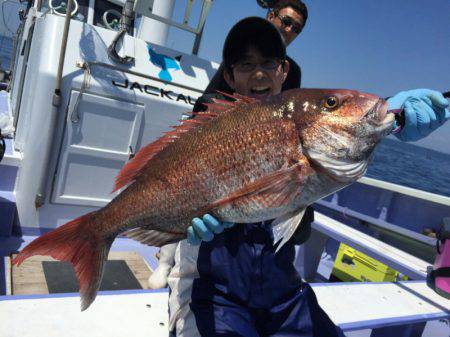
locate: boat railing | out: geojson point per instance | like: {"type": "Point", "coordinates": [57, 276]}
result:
{"type": "Point", "coordinates": [420, 194]}
{"type": "Point", "coordinates": [400, 215]}
{"type": "Point", "coordinates": [310, 253]}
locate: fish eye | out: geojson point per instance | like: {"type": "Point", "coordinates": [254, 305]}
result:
{"type": "Point", "coordinates": [331, 102]}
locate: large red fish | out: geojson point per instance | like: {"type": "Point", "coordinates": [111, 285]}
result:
{"type": "Point", "coordinates": [243, 161]}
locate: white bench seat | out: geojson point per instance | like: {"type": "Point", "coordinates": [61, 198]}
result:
{"type": "Point", "coordinates": [357, 306]}
{"type": "Point", "coordinates": [352, 306]}
{"type": "Point", "coordinates": [138, 314]}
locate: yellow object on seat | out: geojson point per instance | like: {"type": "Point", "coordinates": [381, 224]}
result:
{"type": "Point", "coordinates": [353, 266]}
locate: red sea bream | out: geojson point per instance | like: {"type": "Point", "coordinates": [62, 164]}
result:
{"type": "Point", "coordinates": [241, 161]}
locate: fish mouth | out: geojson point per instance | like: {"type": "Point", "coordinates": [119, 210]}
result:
{"type": "Point", "coordinates": [378, 115]}
{"type": "Point", "coordinates": [379, 119]}
{"type": "Point", "coordinates": [385, 122]}
{"type": "Point", "coordinates": [378, 111]}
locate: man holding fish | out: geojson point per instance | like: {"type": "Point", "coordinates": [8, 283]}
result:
{"type": "Point", "coordinates": [241, 260]}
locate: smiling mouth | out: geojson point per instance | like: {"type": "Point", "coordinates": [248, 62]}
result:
{"type": "Point", "coordinates": [260, 90]}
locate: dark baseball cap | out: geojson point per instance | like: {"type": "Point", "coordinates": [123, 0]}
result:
{"type": "Point", "coordinates": [254, 31]}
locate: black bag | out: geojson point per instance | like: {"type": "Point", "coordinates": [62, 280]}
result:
{"type": "Point", "coordinates": [2, 146]}
{"type": "Point", "coordinates": [439, 277]}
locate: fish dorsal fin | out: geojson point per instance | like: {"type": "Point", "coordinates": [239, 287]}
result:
{"type": "Point", "coordinates": [221, 105]}
{"type": "Point", "coordinates": [133, 168]}
{"type": "Point", "coordinates": [239, 98]}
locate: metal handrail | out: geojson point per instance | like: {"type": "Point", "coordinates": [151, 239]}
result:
{"type": "Point", "coordinates": [145, 7]}
{"type": "Point", "coordinates": [436, 198]}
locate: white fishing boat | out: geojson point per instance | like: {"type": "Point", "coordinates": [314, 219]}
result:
{"type": "Point", "coordinates": [77, 103]}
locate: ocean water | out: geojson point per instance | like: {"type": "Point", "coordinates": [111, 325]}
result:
{"type": "Point", "coordinates": [412, 166]}
{"type": "Point", "coordinates": [6, 45]}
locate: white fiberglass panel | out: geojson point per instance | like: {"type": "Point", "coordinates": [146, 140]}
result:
{"type": "Point", "coordinates": [102, 124]}
{"type": "Point", "coordinates": [88, 178]}
{"type": "Point", "coordinates": [100, 135]}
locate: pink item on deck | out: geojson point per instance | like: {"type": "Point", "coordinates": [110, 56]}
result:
{"type": "Point", "coordinates": [440, 276]}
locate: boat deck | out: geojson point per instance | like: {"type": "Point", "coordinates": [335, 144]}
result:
{"type": "Point", "coordinates": [30, 277]}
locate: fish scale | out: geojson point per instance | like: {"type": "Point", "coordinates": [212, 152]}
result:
{"type": "Point", "coordinates": [242, 161]}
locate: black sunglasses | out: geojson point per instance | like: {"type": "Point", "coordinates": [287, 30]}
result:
{"type": "Point", "coordinates": [287, 21]}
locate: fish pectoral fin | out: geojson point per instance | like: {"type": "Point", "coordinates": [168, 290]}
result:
{"type": "Point", "coordinates": [284, 227]}
{"type": "Point", "coordinates": [274, 190]}
{"type": "Point", "coordinates": [153, 237]}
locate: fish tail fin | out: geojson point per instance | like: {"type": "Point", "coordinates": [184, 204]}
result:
{"type": "Point", "coordinates": [76, 243]}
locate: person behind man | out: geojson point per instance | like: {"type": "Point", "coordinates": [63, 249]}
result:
{"type": "Point", "coordinates": [235, 284]}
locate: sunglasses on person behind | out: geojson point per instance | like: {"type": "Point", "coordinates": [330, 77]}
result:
{"type": "Point", "coordinates": [287, 21]}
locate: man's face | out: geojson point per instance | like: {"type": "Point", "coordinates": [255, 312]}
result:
{"type": "Point", "coordinates": [289, 23]}
{"type": "Point", "coordinates": [257, 76]}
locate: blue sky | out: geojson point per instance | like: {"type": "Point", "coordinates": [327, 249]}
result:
{"type": "Point", "coordinates": [381, 47]}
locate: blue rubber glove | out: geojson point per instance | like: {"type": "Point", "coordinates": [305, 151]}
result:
{"type": "Point", "coordinates": [205, 228]}
{"type": "Point", "coordinates": [425, 110]}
